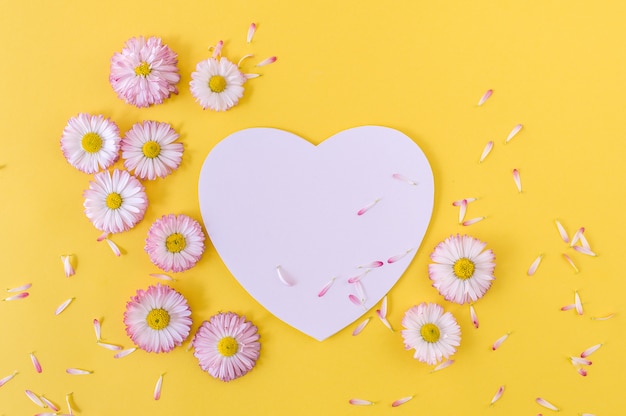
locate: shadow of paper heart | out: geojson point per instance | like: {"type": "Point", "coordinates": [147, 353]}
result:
{"type": "Point", "coordinates": [269, 198]}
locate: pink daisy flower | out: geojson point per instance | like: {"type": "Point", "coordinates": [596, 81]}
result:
{"type": "Point", "coordinates": [227, 346]}
{"type": "Point", "coordinates": [115, 202]}
{"type": "Point", "coordinates": [175, 243]}
{"type": "Point", "coordinates": [149, 151]}
{"type": "Point", "coordinates": [432, 333]}
{"type": "Point", "coordinates": [145, 72]}
{"type": "Point", "coordinates": [90, 143]}
{"type": "Point", "coordinates": [157, 319]}
{"type": "Point", "coordinates": [217, 84]}
{"type": "Point", "coordinates": [462, 271]}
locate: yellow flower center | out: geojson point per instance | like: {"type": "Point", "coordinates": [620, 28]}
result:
{"type": "Point", "coordinates": [151, 149]}
{"type": "Point", "coordinates": [143, 70]}
{"type": "Point", "coordinates": [430, 333]}
{"type": "Point", "coordinates": [114, 200]}
{"type": "Point", "coordinates": [91, 142]}
{"type": "Point", "coordinates": [175, 243]}
{"type": "Point", "coordinates": [158, 319]}
{"type": "Point", "coordinates": [464, 268]}
{"type": "Point", "coordinates": [217, 83]}
{"type": "Point", "coordinates": [227, 346]}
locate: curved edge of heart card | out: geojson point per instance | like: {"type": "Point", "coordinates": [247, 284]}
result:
{"type": "Point", "coordinates": [317, 234]}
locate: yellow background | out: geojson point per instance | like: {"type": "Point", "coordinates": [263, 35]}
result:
{"type": "Point", "coordinates": [559, 68]}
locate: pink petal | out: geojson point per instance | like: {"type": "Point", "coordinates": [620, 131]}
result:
{"type": "Point", "coordinates": [404, 179]}
{"type": "Point", "coordinates": [367, 207]}
{"type": "Point", "coordinates": [401, 401]}
{"type": "Point", "coordinates": [360, 291]}
{"type": "Point", "coordinates": [570, 261]}
{"type": "Point", "coordinates": [111, 347]}
{"type": "Point", "coordinates": [485, 97]}
{"type": "Point", "coordinates": [578, 303]}
{"type": "Point", "coordinates": [251, 31]}
{"type": "Point", "coordinates": [267, 61]}
{"type": "Point", "coordinates": [533, 267]}
{"type": "Point", "coordinates": [355, 300]}
{"type": "Point", "coordinates": [5, 380]}
{"type": "Point", "coordinates": [546, 404]}
{"type": "Point", "coordinates": [474, 316]}
{"type": "Point", "coordinates": [517, 179]}
{"type": "Point", "coordinates": [472, 221]}
{"type": "Point", "coordinates": [486, 151]}
{"type": "Point", "coordinates": [397, 257]}
{"type": "Point", "coordinates": [124, 353]}
{"type": "Point", "coordinates": [114, 248]}
{"type": "Point", "coordinates": [460, 201]}
{"type": "Point", "coordinates": [443, 365]}
{"type": "Point", "coordinates": [34, 398]}
{"type": "Point", "coordinates": [383, 320]}
{"type": "Point", "coordinates": [360, 402]}
{"type": "Point", "coordinates": [603, 318]}
{"type": "Point", "coordinates": [585, 250]}
{"type": "Point", "coordinates": [35, 362]}
{"type": "Point", "coordinates": [63, 306]}
{"type": "Point", "coordinates": [372, 265]}
{"type": "Point", "coordinates": [359, 277]}
{"type": "Point", "coordinates": [499, 342]}
{"type": "Point", "coordinates": [562, 231]}
{"type": "Point", "coordinates": [383, 307]}
{"type": "Point", "coordinates": [590, 351]}
{"type": "Point", "coordinates": [577, 235]}
{"type": "Point", "coordinates": [580, 361]}
{"type": "Point", "coordinates": [462, 210]}
{"type": "Point", "coordinates": [326, 287]}
{"type": "Point", "coordinates": [20, 288]}
{"type": "Point", "coordinates": [67, 265]}
{"type": "Point", "coordinates": [582, 372]}
{"type": "Point", "coordinates": [568, 307]}
{"type": "Point", "coordinates": [497, 396]}
{"type": "Point", "coordinates": [102, 237]}
{"type": "Point", "coordinates": [97, 329]}
{"type": "Point", "coordinates": [157, 388]}
{"type": "Point", "coordinates": [360, 327]}
{"type": "Point", "coordinates": [78, 372]}
{"type": "Point", "coordinates": [49, 404]}
{"type": "Point", "coordinates": [16, 297]}
{"type": "Point", "coordinates": [251, 76]}
{"type": "Point", "coordinates": [583, 241]}
{"type": "Point", "coordinates": [217, 50]}
{"type": "Point", "coordinates": [513, 133]}
{"type": "Point", "coordinates": [282, 277]}
{"type": "Point", "coordinates": [162, 277]}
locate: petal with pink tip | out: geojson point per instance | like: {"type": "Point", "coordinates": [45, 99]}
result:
{"type": "Point", "coordinates": [97, 329]}
{"type": "Point", "coordinates": [486, 151]}
{"type": "Point", "coordinates": [162, 276]}
{"type": "Point", "coordinates": [108, 346]}
{"type": "Point", "coordinates": [367, 207]}
{"type": "Point", "coordinates": [5, 380]}
{"type": "Point", "coordinates": [513, 132]}
{"type": "Point", "coordinates": [267, 61]}
{"type": "Point", "coordinates": [401, 401]}
{"type": "Point", "coordinates": [114, 248]}
{"type": "Point", "coordinates": [397, 257]}
{"type": "Point", "coordinates": [582, 372]}
{"type": "Point", "coordinates": [462, 210]}
{"type": "Point", "coordinates": [383, 307]}
{"type": "Point", "coordinates": [568, 307]}
{"type": "Point", "coordinates": [251, 31]}
{"type": "Point", "coordinates": [359, 277]}
{"type": "Point", "coordinates": [78, 371]}
{"type": "Point", "coordinates": [251, 76]}
{"type": "Point", "coordinates": [49, 404]}
{"type": "Point", "coordinates": [102, 237]}
{"type": "Point", "coordinates": [474, 316]}
{"type": "Point", "coordinates": [590, 350]}
{"type": "Point", "coordinates": [282, 276]}
{"type": "Point", "coordinates": [580, 361]}
{"type": "Point", "coordinates": [403, 178]}
{"type": "Point", "coordinates": [459, 201]}
{"type": "Point", "coordinates": [576, 236]}
{"type": "Point", "coordinates": [326, 287]}
{"type": "Point", "coordinates": [497, 396]}
{"type": "Point", "coordinates": [34, 398]}
{"type": "Point", "coordinates": [603, 318]}
{"type": "Point", "coordinates": [360, 291]}
{"type": "Point", "coordinates": [355, 300]}
{"type": "Point", "coordinates": [533, 267]}
{"type": "Point", "coordinates": [517, 180]}
{"type": "Point", "coordinates": [360, 327]}
{"type": "Point", "coordinates": [67, 265]}
{"type": "Point", "coordinates": [35, 362]}
{"type": "Point", "coordinates": [562, 231]}
{"type": "Point", "coordinates": [63, 306]}
{"type": "Point", "coordinates": [584, 242]}
{"type": "Point", "coordinates": [157, 388]}
{"type": "Point", "coordinates": [126, 352]}
{"type": "Point", "coordinates": [372, 265]}
{"type": "Point", "coordinates": [499, 342]}
{"type": "Point", "coordinates": [384, 320]}
{"type": "Point", "coordinates": [443, 365]}
{"type": "Point", "coordinates": [217, 49]}
{"type": "Point", "coordinates": [571, 262]}
{"type": "Point", "coordinates": [578, 303]}
{"type": "Point", "coordinates": [68, 400]}
{"type": "Point", "coordinates": [472, 221]}
{"type": "Point", "coordinates": [16, 297]}
{"type": "Point", "coordinates": [360, 402]}
{"type": "Point", "coordinates": [585, 250]}
{"type": "Point", "coordinates": [485, 97]}
{"type": "Point", "coordinates": [20, 288]}
{"type": "Point", "coordinates": [546, 404]}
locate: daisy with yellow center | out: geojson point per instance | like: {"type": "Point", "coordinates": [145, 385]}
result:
{"type": "Point", "coordinates": [115, 202]}
{"type": "Point", "coordinates": [432, 333]}
{"type": "Point", "coordinates": [227, 346]}
{"type": "Point", "coordinates": [157, 319]}
{"type": "Point", "coordinates": [175, 243]}
{"type": "Point", "coordinates": [149, 150]}
{"type": "Point", "coordinates": [217, 84]}
{"type": "Point", "coordinates": [90, 143]}
{"type": "Point", "coordinates": [462, 271]}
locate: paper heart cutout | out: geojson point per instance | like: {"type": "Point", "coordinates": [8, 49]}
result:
{"type": "Point", "coordinates": [270, 198]}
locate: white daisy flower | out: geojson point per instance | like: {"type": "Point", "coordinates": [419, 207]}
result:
{"type": "Point", "coordinates": [149, 151]}
{"type": "Point", "coordinates": [115, 202]}
{"type": "Point", "coordinates": [217, 84]}
{"type": "Point", "coordinates": [462, 271]}
{"type": "Point", "coordinates": [175, 242]}
{"type": "Point", "coordinates": [432, 333]}
{"type": "Point", "coordinates": [90, 143]}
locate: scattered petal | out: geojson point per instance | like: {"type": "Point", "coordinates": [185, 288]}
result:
{"type": "Point", "coordinates": [590, 351]}
{"type": "Point", "coordinates": [102, 237]}
{"type": "Point", "coordinates": [360, 402]}
{"type": "Point", "coordinates": [383, 307]}
{"type": "Point", "coordinates": [462, 210]}
{"type": "Point", "coordinates": [403, 178]}
{"type": "Point", "coordinates": [360, 327]}
{"type": "Point", "coordinates": [68, 401]}
{"type": "Point", "coordinates": [486, 151]}
{"type": "Point", "coordinates": [533, 267]}
{"type": "Point", "coordinates": [281, 276]}
{"type": "Point", "coordinates": [472, 221]}
{"type": "Point", "coordinates": [251, 76]}
{"type": "Point", "coordinates": [582, 372]}
{"type": "Point", "coordinates": [576, 236]}
{"type": "Point", "coordinates": [243, 58]}
{"type": "Point", "coordinates": [126, 352]}
{"type": "Point", "coordinates": [35, 362]}
{"type": "Point", "coordinates": [34, 398]}
{"type": "Point", "coordinates": [485, 97]}
{"type": "Point", "coordinates": [111, 347]}
{"type": "Point", "coordinates": [67, 265]}
{"type": "Point", "coordinates": [16, 297]}
{"type": "Point", "coordinates": [217, 49]}
{"type": "Point", "coordinates": [49, 404]}
{"type": "Point", "coordinates": [360, 291]}
{"type": "Point", "coordinates": [267, 61]}
{"type": "Point", "coordinates": [367, 207]}
{"type": "Point", "coordinates": [359, 277]}
{"type": "Point", "coordinates": [355, 300]}
{"type": "Point", "coordinates": [568, 307]}
{"type": "Point", "coordinates": [162, 277]}
{"type": "Point", "coordinates": [157, 388]}
{"type": "Point", "coordinates": [513, 133]}
{"type": "Point", "coordinates": [326, 287]}
{"type": "Point", "coordinates": [114, 248]}
{"type": "Point", "coordinates": [20, 288]}
{"type": "Point", "coordinates": [585, 250]}
{"type": "Point", "coordinates": [517, 179]}
{"type": "Point", "coordinates": [78, 371]}
{"type": "Point", "coordinates": [583, 241]}
{"type": "Point", "coordinates": [401, 401]}
{"type": "Point", "coordinates": [499, 341]}
{"type": "Point", "coordinates": [546, 404]}
{"type": "Point", "coordinates": [397, 257]}
{"type": "Point", "coordinates": [497, 396]}
{"type": "Point", "coordinates": [578, 303]}
{"type": "Point", "coordinates": [603, 318]}
{"type": "Point", "coordinates": [372, 265]}
{"type": "Point", "coordinates": [562, 231]}
{"type": "Point", "coordinates": [580, 361]}
{"type": "Point", "coordinates": [97, 329]}
{"type": "Point", "coordinates": [63, 306]}
{"type": "Point", "coordinates": [587, 414]}
{"type": "Point", "coordinates": [5, 380]}
{"type": "Point", "coordinates": [251, 31]}
{"type": "Point", "coordinates": [571, 262]}
{"type": "Point", "coordinates": [459, 201]}
{"type": "Point", "coordinates": [473, 316]}
{"type": "Point", "coordinates": [443, 365]}
{"type": "Point", "coordinates": [384, 320]}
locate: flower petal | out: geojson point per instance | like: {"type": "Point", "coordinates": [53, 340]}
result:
{"type": "Point", "coordinates": [326, 287]}
{"type": "Point", "coordinates": [517, 180]}
{"type": "Point", "coordinates": [282, 277]}
{"type": "Point", "coordinates": [585, 250]}
{"type": "Point", "coordinates": [571, 262]}
{"type": "Point", "coordinates": [251, 31]}
{"type": "Point", "coordinates": [16, 297]}
{"type": "Point", "coordinates": [462, 210]}
{"type": "Point", "coordinates": [20, 288]}
{"type": "Point", "coordinates": [443, 365]}
{"type": "Point", "coordinates": [114, 248]}
{"type": "Point", "coordinates": [590, 350]}
{"type": "Point", "coordinates": [474, 316]}
{"type": "Point", "coordinates": [568, 307]}
{"type": "Point", "coordinates": [367, 207]}
{"type": "Point", "coordinates": [5, 380]}
{"type": "Point", "coordinates": [49, 404]}
{"type": "Point", "coordinates": [360, 327]}
{"type": "Point", "coordinates": [162, 277]}
{"type": "Point", "coordinates": [397, 257]}
{"type": "Point", "coordinates": [97, 328]}
{"type": "Point", "coordinates": [497, 396]}
{"type": "Point", "coordinates": [533, 267]}
{"type": "Point", "coordinates": [78, 371]}
{"type": "Point", "coordinates": [401, 401]}
{"type": "Point", "coordinates": [372, 265]}
{"type": "Point", "coordinates": [546, 404]}
{"type": "Point", "coordinates": [67, 265]}
{"type": "Point", "coordinates": [34, 398]}
{"type": "Point", "coordinates": [603, 318]}
{"type": "Point", "coordinates": [157, 388]}
{"type": "Point", "coordinates": [384, 320]}
{"type": "Point", "coordinates": [499, 341]}
{"type": "Point", "coordinates": [486, 151]}
{"type": "Point", "coordinates": [63, 306]}
{"type": "Point", "coordinates": [580, 361]}
{"type": "Point", "coordinates": [459, 201]}
{"type": "Point", "coordinates": [359, 277]}
{"type": "Point", "coordinates": [267, 61]}
{"type": "Point", "coordinates": [35, 362]}
{"type": "Point", "coordinates": [360, 402]}
{"type": "Point", "coordinates": [485, 97]}
{"type": "Point", "coordinates": [472, 221]}
{"type": "Point", "coordinates": [108, 346]}
{"type": "Point", "coordinates": [562, 231]}
{"type": "Point", "coordinates": [513, 133]}
{"type": "Point", "coordinates": [403, 178]}
{"type": "Point", "coordinates": [126, 352]}
{"type": "Point", "coordinates": [578, 303]}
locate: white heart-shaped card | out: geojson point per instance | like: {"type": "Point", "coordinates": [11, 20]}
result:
{"type": "Point", "coordinates": [288, 217]}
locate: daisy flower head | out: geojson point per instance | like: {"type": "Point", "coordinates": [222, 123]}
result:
{"type": "Point", "coordinates": [462, 271]}
{"type": "Point", "coordinates": [149, 150]}
{"type": "Point", "coordinates": [227, 346]}
{"type": "Point", "coordinates": [157, 319]}
{"type": "Point", "coordinates": [175, 243]}
{"type": "Point", "coordinates": [432, 333]}
{"type": "Point", "coordinates": [217, 84]}
{"type": "Point", "coordinates": [145, 72]}
{"type": "Point", "coordinates": [90, 143]}
{"type": "Point", "coordinates": [115, 202]}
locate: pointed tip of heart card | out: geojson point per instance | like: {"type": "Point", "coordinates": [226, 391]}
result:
{"type": "Point", "coordinates": [317, 234]}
